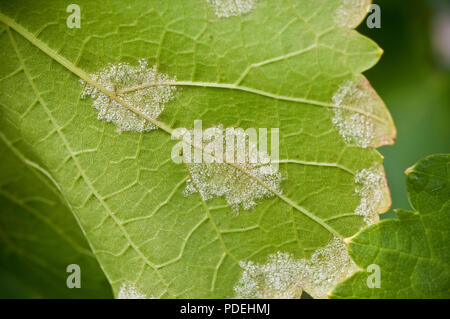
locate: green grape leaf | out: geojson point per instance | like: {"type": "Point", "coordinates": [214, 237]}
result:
{"type": "Point", "coordinates": [39, 236]}
{"type": "Point", "coordinates": [412, 250]}
{"type": "Point", "coordinates": [100, 108]}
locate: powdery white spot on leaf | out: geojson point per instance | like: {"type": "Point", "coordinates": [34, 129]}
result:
{"type": "Point", "coordinates": [278, 278]}
{"type": "Point", "coordinates": [360, 115]}
{"type": "Point", "coordinates": [216, 177]}
{"type": "Point", "coordinates": [374, 193]}
{"type": "Point", "coordinates": [351, 12]}
{"type": "Point", "coordinates": [228, 8]}
{"type": "Point", "coordinates": [130, 291]}
{"type": "Point", "coordinates": [283, 276]}
{"type": "Point", "coordinates": [150, 100]}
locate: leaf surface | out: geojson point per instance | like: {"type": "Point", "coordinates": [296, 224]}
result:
{"type": "Point", "coordinates": [292, 65]}
{"type": "Point", "coordinates": [412, 250]}
{"type": "Point", "coordinates": [39, 235]}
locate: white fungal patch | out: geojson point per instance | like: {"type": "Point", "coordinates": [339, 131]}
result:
{"type": "Point", "coordinates": [277, 279]}
{"type": "Point", "coordinates": [351, 12]}
{"type": "Point", "coordinates": [214, 176]}
{"type": "Point", "coordinates": [360, 115]}
{"type": "Point", "coordinates": [129, 291]}
{"type": "Point", "coordinates": [228, 8]}
{"type": "Point", "coordinates": [355, 127]}
{"type": "Point", "coordinates": [372, 188]}
{"type": "Point", "coordinates": [284, 277]}
{"type": "Point", "coordinates": [149, 100]}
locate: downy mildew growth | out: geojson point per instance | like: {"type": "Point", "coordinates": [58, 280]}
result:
{"type": "Point", "coordinates": [121, 78]}
{"type": "Point", "coordinates": [212, 175]}
{"type": "Point", "coordinates": [372, 188]}
{"type": "Point", "coordinates": [228, 8]}
{"type": "Point", "coordinates": [130, 291]}
{"type": "Point", "coordinates": [360, 115]}
{"type": "Point", "coordinates": [285, 277]}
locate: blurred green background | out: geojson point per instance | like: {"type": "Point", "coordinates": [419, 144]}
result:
{"type": "Point", "coordinates": [413, 78]}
